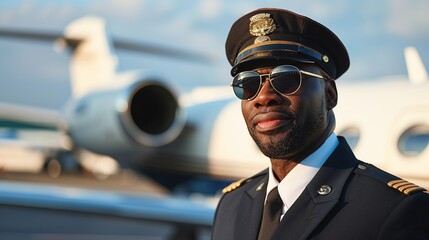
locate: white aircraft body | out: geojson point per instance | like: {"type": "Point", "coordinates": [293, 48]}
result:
{"type": "Point", "coordinates": [142, 118]}
{"type": "Point", "coordinates": [388, 121]}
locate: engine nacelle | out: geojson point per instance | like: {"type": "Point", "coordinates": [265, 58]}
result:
{"type": "Point", "coordinates": [146, 114]}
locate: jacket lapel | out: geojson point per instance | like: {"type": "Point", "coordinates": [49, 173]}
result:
{"type": "Point", "coordinates": [311, 207]}
{"type": "Point", "coordinates": [251, 206]}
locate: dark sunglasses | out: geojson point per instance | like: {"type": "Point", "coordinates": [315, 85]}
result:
{"type": "Point", "coordinates": [285, 79]}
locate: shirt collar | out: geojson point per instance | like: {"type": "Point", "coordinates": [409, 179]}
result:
{"type": "Point", "coordinates": [296, 180]}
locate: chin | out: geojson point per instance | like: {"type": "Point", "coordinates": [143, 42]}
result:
{"type": "Point", "coordinates": [277, 146]}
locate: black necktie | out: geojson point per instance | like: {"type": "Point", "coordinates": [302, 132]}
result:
{"type": "Point", "coordinates": [271, 216]}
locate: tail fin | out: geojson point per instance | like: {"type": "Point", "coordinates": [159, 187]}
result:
{"type": "Point", "coordinates": [93, 63]}
{"type": "Point", "coordinates": [416, 70]}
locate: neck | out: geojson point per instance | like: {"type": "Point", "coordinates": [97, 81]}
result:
{"type": "Point", "coordinates": [282, 167]}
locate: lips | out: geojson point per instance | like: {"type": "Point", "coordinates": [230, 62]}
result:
{"type": "Point", "coordinates": [266, 122]}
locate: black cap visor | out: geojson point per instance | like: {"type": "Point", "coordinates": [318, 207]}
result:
{"type": "Point", "coordinates": [267, 61]}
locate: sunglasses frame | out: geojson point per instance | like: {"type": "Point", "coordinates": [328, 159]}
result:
{"type": "Point", "coordinates": [269, 80]}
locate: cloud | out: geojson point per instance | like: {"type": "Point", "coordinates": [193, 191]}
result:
{"type": "Point", "coordinates": [210, 9]}
{"type": "Point", "coordinates": [29, 14]}
{"type": "Point", "coordinates": [43, 12]}
{"type": "Point", "coordinates": [323, 10]}
{"type": "Point", "coordinates": [408, 19]}
{"type": "Point", "coordinates": [118, 8]}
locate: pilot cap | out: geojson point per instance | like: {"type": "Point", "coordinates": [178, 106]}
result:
{"type": "Point", "coordinates": [269, 37]}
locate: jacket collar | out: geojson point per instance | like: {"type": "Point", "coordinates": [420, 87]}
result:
{"type": "Point", "coordinates": [311, 207]}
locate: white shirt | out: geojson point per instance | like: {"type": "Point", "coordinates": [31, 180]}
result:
{"type": "Point", "coordinates": [296, 180]}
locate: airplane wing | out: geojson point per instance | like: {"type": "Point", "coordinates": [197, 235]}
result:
{"type": "Point", "coordinates": [31, 128]}
{"type": "Point", "coordinates": [24, 117]}
{"type": "Point", "coordinates": [48, 211]}
{"type": "Point", "coordinates": [29, 136]}
{"type": "Point", "coordinates": [146, 48]}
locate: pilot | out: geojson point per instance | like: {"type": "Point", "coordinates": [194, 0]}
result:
{"type": "Point", "coordinates": [284, 70]}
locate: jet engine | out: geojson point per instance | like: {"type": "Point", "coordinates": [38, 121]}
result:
{"type": "Point", "coordinates": [144, 114]}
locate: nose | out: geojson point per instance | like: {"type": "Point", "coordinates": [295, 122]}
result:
{"type": "Point", "coordinates": [267, 95]}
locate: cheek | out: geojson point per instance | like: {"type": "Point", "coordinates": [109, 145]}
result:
{"type": "Point", "coordinates": [308, 102]}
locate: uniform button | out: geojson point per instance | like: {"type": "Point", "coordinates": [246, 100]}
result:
{"type": "Point", "coordinates": [324, 190]}
{"type": "Point", "coordinates": [362, 167]}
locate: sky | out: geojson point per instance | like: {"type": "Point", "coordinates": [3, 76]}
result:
{"type": "Point", "coordinates": [33, 73]}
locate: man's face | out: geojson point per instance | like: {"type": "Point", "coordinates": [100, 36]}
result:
{"type": "Point", "coordinates": [285, 127]}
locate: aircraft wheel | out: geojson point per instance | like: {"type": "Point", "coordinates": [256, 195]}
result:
{"type": "Point", "coordinates": [53, 168]}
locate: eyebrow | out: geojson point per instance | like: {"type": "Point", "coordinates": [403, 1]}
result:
{"type": "Point", "coordinates": [263, 70]}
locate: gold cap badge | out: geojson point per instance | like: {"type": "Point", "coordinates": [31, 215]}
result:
{"type": "Point", "coordinates": [261, 24]}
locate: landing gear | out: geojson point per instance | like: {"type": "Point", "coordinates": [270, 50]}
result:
{"type": "Point", "coordinates": [61, 163]}
{"type": "Point", "coordinates": [53, 168]}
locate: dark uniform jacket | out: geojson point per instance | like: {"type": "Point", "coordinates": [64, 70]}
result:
{"type": "Point", "coordinates": [364, 203]}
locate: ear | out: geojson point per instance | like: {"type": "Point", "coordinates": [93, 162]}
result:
{"type": "Point", "coordinates": [331, 94]}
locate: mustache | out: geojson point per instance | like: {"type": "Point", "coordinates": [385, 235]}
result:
{"type": "Point", "coordinates": [288, 113]}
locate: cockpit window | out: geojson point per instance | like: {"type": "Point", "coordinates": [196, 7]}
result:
{"type": "Point", "coordinates": [414, 140]}
{"type": "Point", "coordinates": [352, 135]}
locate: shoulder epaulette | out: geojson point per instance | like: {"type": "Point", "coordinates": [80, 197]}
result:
{"type": "Point", "coordinates": [392, 181]}
{"type": "Point", "coordinates": [241, 182]}
{"type": "Point", "coordinates": [234, 185]}
{"type": "Point", "coordinates": [374, 172]}
{"type": "Point", "coordinates": [405, 187]}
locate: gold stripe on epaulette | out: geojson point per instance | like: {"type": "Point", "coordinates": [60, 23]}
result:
{"type": "Point", "coordinates": [413, 189]}
{"type": "Point", "coordinates": [233, 185]}
{"type": "Point", "coordinates": [404, 186]}
{"type": "Point", "coordinates": [394, 182]}
{"type": "Point", "coordinates": [401, 184]}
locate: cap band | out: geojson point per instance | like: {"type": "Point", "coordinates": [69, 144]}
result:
{"type": "Point", "coordinates": [274, 48]}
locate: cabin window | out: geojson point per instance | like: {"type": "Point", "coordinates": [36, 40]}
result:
{"type": "Point", "coordinates": [414, 140]}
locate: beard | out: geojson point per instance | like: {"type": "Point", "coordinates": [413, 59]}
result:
{"type": "Point", "coordinates": [279, 148]}
{"type": "Point", "coordinates": [296, 138]}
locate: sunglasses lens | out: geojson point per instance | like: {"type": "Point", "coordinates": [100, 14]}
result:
{"type": "Point", "coordinates": [285, 79]}
{"type": "Point", "coordinates": [246, 85]}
